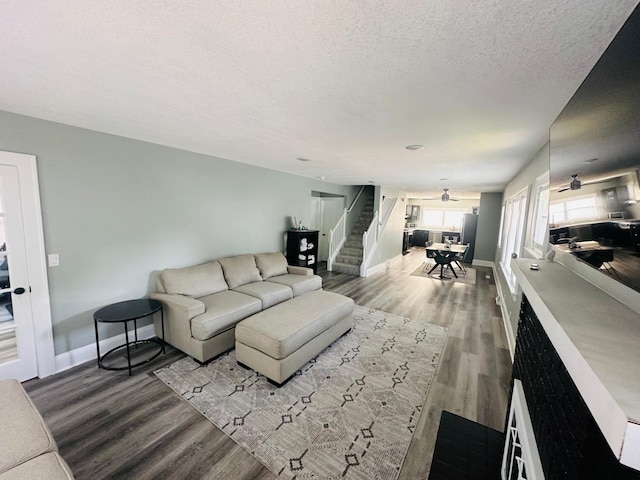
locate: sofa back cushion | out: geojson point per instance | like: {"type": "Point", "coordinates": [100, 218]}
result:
{"type": "Point", "coordinates": [196, 281]}
{"type": "Point", "coordinates": [271, 264]}
{"type": "Point", "coordinates": [240, 270]}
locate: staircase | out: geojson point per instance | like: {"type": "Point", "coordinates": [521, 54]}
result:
{"type": "Point", "coordinates": [350, 257]}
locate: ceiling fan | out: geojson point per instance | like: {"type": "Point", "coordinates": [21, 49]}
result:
{"type": "Point", "coordinates": [577, 184]}
{"type": "Point", "coordinates": [445, 197]}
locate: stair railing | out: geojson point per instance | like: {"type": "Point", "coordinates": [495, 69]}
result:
{"type": "Point", "coordinates": [369, 241]}
{"type": "Point", "coordinates": [370, 237]}
{"type": "Point", "coordinates": [355, 200]}
{"type": "Point", "coordinates": [388, 204]}
{"type": "Point", "coordinates": [337, 237]}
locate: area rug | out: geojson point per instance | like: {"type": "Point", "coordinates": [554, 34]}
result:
{"type": "Point", "coordinates": [349, 413]}
{"type": "Point", "coordinates": [469, 278]}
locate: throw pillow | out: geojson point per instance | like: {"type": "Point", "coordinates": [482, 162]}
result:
{"type": "Point", "coordinates": [271, 264]}
{"type": "Point", "coordinates": [240, 270]}
{"type": "Point", "coordinates": [196, 281]}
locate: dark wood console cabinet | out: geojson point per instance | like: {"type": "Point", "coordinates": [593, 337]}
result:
{"type": "Point", "coordinates": [302, 248]}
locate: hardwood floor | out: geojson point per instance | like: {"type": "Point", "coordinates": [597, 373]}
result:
{"type": "Point", "coordinates": [110, 425]}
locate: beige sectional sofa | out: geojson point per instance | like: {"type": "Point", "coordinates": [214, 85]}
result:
{"type": "Point", "coordinates": [202, 304]}
{"type": "Point", "coordinates": [27, 449]}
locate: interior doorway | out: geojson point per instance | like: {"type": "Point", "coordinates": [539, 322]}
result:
{"type": "Point", "coordinates": [26, 340]}
{"type": "Point", "coordinates": [326, 211]}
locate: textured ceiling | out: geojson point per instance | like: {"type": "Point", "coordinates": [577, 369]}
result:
{"type": "Point", "coordinates": [345, 84]}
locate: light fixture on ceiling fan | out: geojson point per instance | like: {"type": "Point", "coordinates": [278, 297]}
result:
{"type": "Point", "coordinates": [574, 185]}
{"type": "Point", "coordinates": [445, 197]}
{"type": "Point", "coordinates": [577, 184]}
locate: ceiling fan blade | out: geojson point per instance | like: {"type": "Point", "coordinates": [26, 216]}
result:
{"type": "Point", "coordinates": [564, 189]}
{"type": "Point", "coordinates": [453, 199]}
{"type": "Point", "coordinates": [595, 183]}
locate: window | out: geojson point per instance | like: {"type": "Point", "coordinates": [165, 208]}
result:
{"type": "Point", "coordinates": [576, 208]}
{"type": "Point", "coordinates": [445, 218]}
{"type": "Point", "coordinates": [539, 235]}
{"type": "Point", "coordinates": [513, 233]}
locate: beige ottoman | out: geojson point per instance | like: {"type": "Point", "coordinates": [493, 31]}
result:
{"type": "Point", "coordinates": [278, 341]}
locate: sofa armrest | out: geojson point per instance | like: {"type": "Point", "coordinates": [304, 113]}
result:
{"type": "Point", "coordinates": [178, 310]}
{"type": "Point", "coordinates": [187, 306]}
{"type": "Point", "coordinates": [300, 270]}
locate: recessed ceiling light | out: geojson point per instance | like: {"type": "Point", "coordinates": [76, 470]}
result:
{"type": "Point", "coordinates": [444, 179]}
{"type": "Point", "coordinates": [322, 178]}
{"type": "Point", "coordinates": [303, 159]}
{"type": "Point", "coordinates": [371, 181]}
{"type": "Point", "coordinates": [414, 147]}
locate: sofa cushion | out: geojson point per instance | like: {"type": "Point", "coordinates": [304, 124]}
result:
{"type": "Point", "coordinates": [223, 311]}
{"type": "Point", "coordinates": [281, 330]}
{"type": "Point", "coordinates": [24, 434]}
{"type": "Point", "coordinates": [271, 264]}
{"type": "Point", "coordinates": [240, 270]}
{"type": "Point", "coordinates": [269, 293]}
{"type": "Point", "coordinates": [298, 283]}
{"type": "Point", "coordinates": [196, 281]}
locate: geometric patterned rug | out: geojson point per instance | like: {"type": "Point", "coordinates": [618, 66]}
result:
{"type": "Point", "coordinates": [349, 413]}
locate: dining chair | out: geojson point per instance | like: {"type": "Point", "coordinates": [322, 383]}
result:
{"type": "Point", "coordinates": [458, 259]}
{"type": "Point", "coordinates": [430, 256]}
{"type": "Point", "coordinates": [443, 259]}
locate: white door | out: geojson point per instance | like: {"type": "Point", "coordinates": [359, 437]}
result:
{"type": "Point", "coordinates": [331, 209]}
{"type": "Point", "coordinates": [17, 346]}
{"type": "Point", "coordinates": [26, 347]}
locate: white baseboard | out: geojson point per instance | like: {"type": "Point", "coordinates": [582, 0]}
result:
{"type": "Point", "coordinates": [483, 263]}
{"type": "Point", "coordinates": [87, 353]}
{"type": "Point", "coordinates": [375, 269]}
{"type": "Point", "coordinates": [382, 266]}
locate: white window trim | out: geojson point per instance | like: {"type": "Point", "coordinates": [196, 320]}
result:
{"type": "Point", "coordinates": [567, 220]}
{"type": "Point", "coordinates": [518, 236]}
{"type": "Point", "coordinates": [540, 217]}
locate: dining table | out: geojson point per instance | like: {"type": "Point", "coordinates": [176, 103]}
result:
{"type": "Point", "coordinates": [589, 251]}
{"type": "Point", "coordinates": [444, 255]}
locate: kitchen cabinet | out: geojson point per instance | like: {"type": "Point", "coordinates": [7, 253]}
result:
{"type": "Point", "coordinates": [420, 238]}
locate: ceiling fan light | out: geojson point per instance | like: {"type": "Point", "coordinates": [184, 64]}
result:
{"type": "Point", "coordinates": [575, 184]}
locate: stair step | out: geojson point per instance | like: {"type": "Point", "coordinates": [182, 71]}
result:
{"type": "Point", "coordinates": [362, 226]}
{"type": "Point", "coordinates": [354, 244]}
{"type": "Point", "coordinates": [344, 268]}
{"type": "Point", "coordinates": [349, 260]}
{"type": "Point", "coordinates": [351, 252]}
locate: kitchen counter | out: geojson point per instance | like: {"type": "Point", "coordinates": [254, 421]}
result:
{"type": "Point", "coordinates": [598, 340]}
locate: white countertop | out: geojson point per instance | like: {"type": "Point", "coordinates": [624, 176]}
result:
{"type": "Point", "coordinates": [598, 339]}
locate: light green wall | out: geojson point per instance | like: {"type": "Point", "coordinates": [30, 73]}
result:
{"type": "Point", "coordinates": [117, 210]}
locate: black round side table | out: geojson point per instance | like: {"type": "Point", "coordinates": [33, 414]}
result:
{"type": "Point", "coordinates": [124, 312]}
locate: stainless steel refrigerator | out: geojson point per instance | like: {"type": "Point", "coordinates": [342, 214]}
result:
{"type": "Point", "coordinates": [468, 235]}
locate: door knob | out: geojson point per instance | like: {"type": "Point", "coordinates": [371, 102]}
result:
{"type": "Point", "coordinates": [19, 291]}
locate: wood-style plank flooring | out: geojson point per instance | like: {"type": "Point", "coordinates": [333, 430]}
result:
{"type": "Point", "coordinates": [110, 425]}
